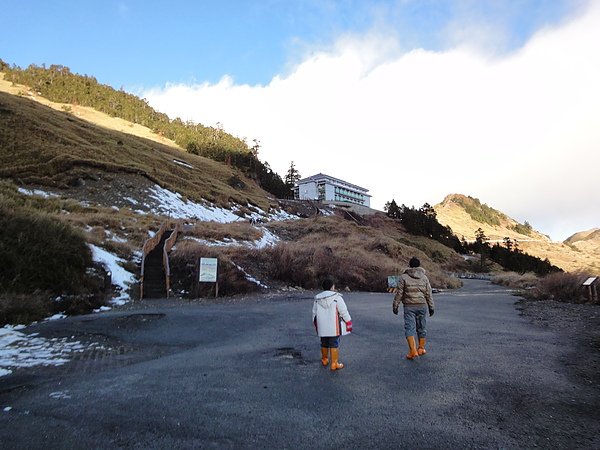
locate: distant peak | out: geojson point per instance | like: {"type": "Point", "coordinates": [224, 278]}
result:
{"type": "Point", "coordinates": [588, 235]}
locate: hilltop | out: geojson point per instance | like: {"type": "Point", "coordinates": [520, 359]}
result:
{"type": "Point", "coordinates": [465, 214]}
{"type": "Point", "coordinates": [586, 242]}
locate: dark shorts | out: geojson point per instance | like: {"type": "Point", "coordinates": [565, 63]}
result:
{"type": "Point", "coordinates": [330, 342]}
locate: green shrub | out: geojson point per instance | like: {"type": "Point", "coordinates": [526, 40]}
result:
{"type": "Point", "coordinates": [40, 253]}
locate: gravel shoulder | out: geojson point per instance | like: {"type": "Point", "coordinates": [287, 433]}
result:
{"type": "Point", "coordinates": [579, 323]}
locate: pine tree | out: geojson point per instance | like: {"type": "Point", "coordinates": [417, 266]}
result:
{"type": "Point", "coordinates": [292, 176]}
{"type": "Point", "coordinates": [482, 245]}
{"type": "Point", "coordinates": [392, 209]}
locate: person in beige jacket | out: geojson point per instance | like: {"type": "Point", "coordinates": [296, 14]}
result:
{"type": "Point", "coordinates": [414, 292]}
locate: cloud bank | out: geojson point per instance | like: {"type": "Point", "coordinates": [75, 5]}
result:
{"type": "Point", "coordinates": [520, 131]}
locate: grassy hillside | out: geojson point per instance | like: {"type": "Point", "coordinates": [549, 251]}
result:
{"type": "Point", "coordinates": [40, 146]}
{"type": "Point", "coordinates": [465, 215]}
{"type": "Point", "coordinates": [359, 256]}
{"type": "Point", "coordinates": [584, 236]}
{"type": "Point", "coordinates": [58, 84]}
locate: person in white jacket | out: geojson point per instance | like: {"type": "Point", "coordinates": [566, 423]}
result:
{"type": "Point", "coordinates": [331, 318]}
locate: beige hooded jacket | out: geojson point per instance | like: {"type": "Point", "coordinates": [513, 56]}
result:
{"type": "Point", "coordinates": [413, 289]}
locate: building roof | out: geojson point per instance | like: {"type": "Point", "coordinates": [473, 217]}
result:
{"type": "Point", "coordinates": [322, 176]}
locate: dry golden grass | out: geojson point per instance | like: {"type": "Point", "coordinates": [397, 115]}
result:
{"type": "Point", "coordinates": [515, 280]}
{"type": "Point", "coordinates": [539, 245]}
{"type": "Point", "coordinates": [562, 287]}
{"type": "Point", "coordinates": [86, 113]}
{"type": "Point", "coordinates": [121, 231]}
{"type": "Point", "coordinates": [184, 260]}
{"type": "Point", "coordinates": [238, 231]}
{"type": "Point", "coordinates": [360, 257]}
{"type": "Point", "coordinates": [47, 147]}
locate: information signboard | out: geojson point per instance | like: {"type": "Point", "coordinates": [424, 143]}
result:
{"type": "Point", "coordinates": [208, 270]}
{"type": "Point", "coordinates": [393, 281]}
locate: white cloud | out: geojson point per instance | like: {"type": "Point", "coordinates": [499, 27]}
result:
{"type": "Point", "coordinates": [520, 131]}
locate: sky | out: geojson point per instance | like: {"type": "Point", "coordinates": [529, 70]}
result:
{"type": "Point", "coordinates": [411, 99]}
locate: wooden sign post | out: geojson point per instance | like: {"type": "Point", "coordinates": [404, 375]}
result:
{"type": "Point", "coordinates": [591, 283]}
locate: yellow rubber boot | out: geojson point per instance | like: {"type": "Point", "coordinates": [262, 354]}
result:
{"type": "Point", "coordinates": [412, 348]}
{"type": "Point", "coordinates": [335, 364]}
{"type": "Point", "coordinates": [421, 349]}
{"type": "Point", "coordinates": [324, 356]}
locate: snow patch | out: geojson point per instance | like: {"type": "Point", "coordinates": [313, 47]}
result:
{"type": "Point", "coordinates": [174, 205]}
{"type": "Point", "coordinates": [119, 276]}
{"type": "Point", "coordinates": [37, 192]}
{"type": "Point", "coordinates": [183, 163]}
{"type": "Point", "coordinates": [19, 350]}
{"type": "Point", "coordinates": [268, 239]}
{"type": "Point", "coordinates": [55, 317]}
{"type": "Point", "coordinates": [133, 201]}
{"type": "Point", "coordinates": [250, 277]}
{"type": "Point", "coordinates": [169, 203]}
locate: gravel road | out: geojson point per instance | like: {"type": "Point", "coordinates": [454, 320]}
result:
{"type": "Point", "coordinates": [246, 374]}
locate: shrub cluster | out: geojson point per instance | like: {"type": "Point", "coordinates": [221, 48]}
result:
{"type": "Point", "coordinates": [562, 287]}
{"type": "Point", "coordinates": [480, 212]}
{"type": "Point", "coordinates": [17, 309]}
{"type": "Point", "coordinates": [515, 280]}
{"type": "Point", "coordinates": [184, 270]}
{"type": "Point", "coordinates": [40, 253]}
{"type": "Point", "coordinates": [423, 222]}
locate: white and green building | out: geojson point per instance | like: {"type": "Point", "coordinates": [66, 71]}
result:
{"type": "Point", "coordinates": [326, 188]}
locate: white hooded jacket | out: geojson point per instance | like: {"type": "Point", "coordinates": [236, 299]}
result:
{"type": "Point", "coordinates": [329, 307]}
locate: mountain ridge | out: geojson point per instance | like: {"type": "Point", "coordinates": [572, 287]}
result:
{"type": "Point", "coordinates": [586, 235]}
{"type": "Point", "coordinates": [465, 214]}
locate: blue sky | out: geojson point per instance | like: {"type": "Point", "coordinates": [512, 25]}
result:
{"type": "Point", "coordinates": [411, 99]}
{"type": "Point", "coordinates": [141, 44]}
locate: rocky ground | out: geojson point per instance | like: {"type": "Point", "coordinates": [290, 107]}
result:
{"type": "Point", "coordinates": [579, 323]}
